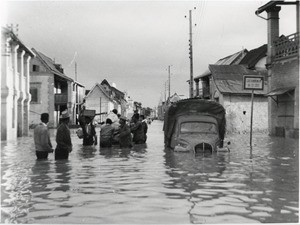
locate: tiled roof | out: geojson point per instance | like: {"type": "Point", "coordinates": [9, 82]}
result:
{"type": "Point", "coordinates": [101, 88]}
{"type": "Point", "coordinates": [229, 78]}
{"type": "Point", "coordinates": [232, 59]}
{"type": "Point", "coordinates": [253, 56]}
{"type": "Point", "coordinates": [228, 60]}
{"type": "Point", "coordinates": [50, 64]}
{"type": "Point", "coordinates": [119, 94]}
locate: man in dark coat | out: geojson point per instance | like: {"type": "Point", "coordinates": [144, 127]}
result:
{"type": "Point", "coordinates": [137, 130]}
{"type": "Point", "coordinates": [89, 134]}
{"type": "Point", "coordinates": [125, 139]}
{"type": "Point", "coordinates": [63, 137]}
{"type": "Point", "coordinates": [106, 134]}
{"type": "Point", "coordinates": [145, 126]}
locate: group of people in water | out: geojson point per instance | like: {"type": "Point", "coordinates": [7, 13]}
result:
{"type": "Point", "coordinates": [117, 130]}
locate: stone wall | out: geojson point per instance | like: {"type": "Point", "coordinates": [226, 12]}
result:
{"type": "Point", "coordinates": [238, 113]}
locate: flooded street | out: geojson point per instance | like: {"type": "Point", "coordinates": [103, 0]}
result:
{"type": "Point", "coordinates": [149, 184]}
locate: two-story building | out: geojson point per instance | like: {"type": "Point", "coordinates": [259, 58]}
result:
{"type": "Point", "coordinates": [283, 71]}
{"type": "Point", "coordinates": [52, 91]}
{"type": "Point", "coordinates": [15, 78]}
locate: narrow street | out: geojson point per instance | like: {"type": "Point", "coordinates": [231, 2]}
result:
{"type": "Point", "coordinates": [150, 184]}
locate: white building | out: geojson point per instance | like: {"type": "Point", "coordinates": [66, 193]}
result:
{"type": "Point", "coordinates": [15, 78]}
{"type": "Point", "coordinates": [99, 100]}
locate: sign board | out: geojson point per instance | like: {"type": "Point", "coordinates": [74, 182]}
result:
{"type": "Point", "coordinates": [253, 82]}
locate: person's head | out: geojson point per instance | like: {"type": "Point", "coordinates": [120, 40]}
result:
{"type": "Point", "coordinates": [115, 111]}
{"type": "Point", "coordinates": [119, 115]}
{"type": "Point", "coordinates": [88, 119]}
{"type": "Point", "coordinates": [45, 118]}
{"type": "Point", "coordinates": [142, 117]}
{"type": "Point", "coordinates": [122, 120]}
{"type": "Point", "coordinates": [108, 121]}
{"type": "Point", "coordinates": [64, 117]}
{"type": "Point", "coordinates": [135, 117]}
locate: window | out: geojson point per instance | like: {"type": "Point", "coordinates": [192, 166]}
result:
{"type": "Point", "coordinates": [198, 127]}
{"type": "Point", "coordinates": [35, 92]}
{"type": "Point", "coordinates": [35, 68]}
{"type": "Point", "coordinates": [34, 95]}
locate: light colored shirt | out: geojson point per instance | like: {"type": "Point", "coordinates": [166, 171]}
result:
{"type": "Point", "coordinates": [42, 138]}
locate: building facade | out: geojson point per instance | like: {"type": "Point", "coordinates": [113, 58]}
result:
{"type": "Point", "coordinates": [223, 82]}
{"type": "Point", "coordinates": [283, 72]}
{"type": "Point", "coordinates": [51, 90]}
{"type": "Point", "coordinates": [98, 99]}
{"type": "Point", "coordinates": [15, 78]}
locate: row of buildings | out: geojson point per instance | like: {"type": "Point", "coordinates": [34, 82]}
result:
{"type": "Point", "coordinates": [33, 83]}
{"type": "Point", "coordinates": [276, 107]}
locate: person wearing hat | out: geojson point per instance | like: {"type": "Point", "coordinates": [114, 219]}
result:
{"type": "Point", "coordinates": [63, 137]}
{"type": "Point", "coordinates": [137, 130]}
{"type": "Point", "coordinates": [89, 134]}
{"type": "Point", "coordinates": [125, 139]}
{"type": "Point", "coordinates": [42, 138]}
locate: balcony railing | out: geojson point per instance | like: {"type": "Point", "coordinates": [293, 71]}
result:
{"type": "Point", "coordinates": [60, 99]}
{"type": "Point", "coordinates": [286, 46]}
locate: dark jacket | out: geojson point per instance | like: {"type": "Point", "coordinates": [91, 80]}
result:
{"type": "Point", "coordinates": [145, 129]}
{"type": "Point", "coordinates": [125, 137]}
{"type": "Point", "coordinates": [138, 133]}
{"type": "Point", "coordinates": [63, 138]}
{"type": "Point", "coordinates": [89, 134]}
{"type": "Point", "coordinates": [106, 135]}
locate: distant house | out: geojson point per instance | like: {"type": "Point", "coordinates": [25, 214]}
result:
{"type": "Point", "coordinates": [173, 98]}
{"type": "Point", "coordinates": [223, 82]}
{"type": "Point", "coordinates": [160, 110]}
{"type": "Point", "coordinates": [117, 95]}
{"type": "Point", "coordinates": [283, 70]}
{"type": "Point", "coordinates": [164, 105]}
{"type": "Point", "coordinates": [99, 99]}
{"type": "Point", "coordinates": [51, 90]}
{"type": "Point", "coordinates": [15, 78]}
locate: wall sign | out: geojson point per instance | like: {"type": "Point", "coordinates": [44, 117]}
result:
{"type": "Point", "coordinates": [253, 82]}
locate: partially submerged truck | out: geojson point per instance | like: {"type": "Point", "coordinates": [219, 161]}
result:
{"type": "Point", "coordinates": [195, 125]}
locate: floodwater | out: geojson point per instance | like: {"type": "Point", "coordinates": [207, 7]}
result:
{"type": "Point", "coordinates": [149, 184]}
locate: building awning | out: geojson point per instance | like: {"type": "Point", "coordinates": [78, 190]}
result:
{"type": "Point", "coordinates": [280, 91]}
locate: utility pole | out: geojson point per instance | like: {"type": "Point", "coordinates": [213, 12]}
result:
{"type": "Point", "coordinates": [165, 91]}
{"type": "Point", "coordinates": [169, 80]}
{"type": "Point", "coordinates": [191, 57]}
{"type": "Point", "coordinates": [75, 71]}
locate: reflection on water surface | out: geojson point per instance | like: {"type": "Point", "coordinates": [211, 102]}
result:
{"type": "Point", "coordinates": [150, 184]}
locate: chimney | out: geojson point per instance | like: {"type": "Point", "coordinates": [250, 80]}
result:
{"type": "Point", "coordinates": [273, 29]}
{"type": "Point", "coordinates": [59, 68]}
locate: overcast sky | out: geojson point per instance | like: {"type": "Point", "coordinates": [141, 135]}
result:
{"type": "Point", "coordinates": [132, 43]}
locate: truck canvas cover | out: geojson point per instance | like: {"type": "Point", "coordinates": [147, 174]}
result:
{"type": "Point", "coordinates": [194, 107]}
